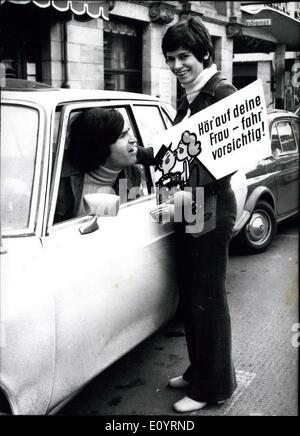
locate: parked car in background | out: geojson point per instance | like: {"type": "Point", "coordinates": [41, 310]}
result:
{"type": "Point", "coordinates": [273, 185]}
{"type": "Point", "coordinates": [75, 297]}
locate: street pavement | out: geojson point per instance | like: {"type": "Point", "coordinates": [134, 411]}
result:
{"type": "Point", "coordinates": [263, 299]}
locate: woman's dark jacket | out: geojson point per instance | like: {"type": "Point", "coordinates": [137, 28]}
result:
{"type": "Point", "coordinates": [213, 91]}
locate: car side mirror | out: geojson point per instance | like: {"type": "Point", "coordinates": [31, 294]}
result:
{"type": "Point", "coordinates": [99, 205]}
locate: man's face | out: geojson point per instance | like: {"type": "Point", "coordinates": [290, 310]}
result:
{"type": "Point", "coordinates": [123, 151]}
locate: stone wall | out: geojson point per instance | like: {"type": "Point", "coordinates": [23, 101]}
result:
{"type": "Point", "coordinates": [85, 52]}
{"type": "Point", "coordinates": [264, 73]}
{"type": "Point", "coordinates": [86, 57]}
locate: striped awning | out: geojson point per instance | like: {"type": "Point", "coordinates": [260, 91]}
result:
{"type": "Point", "coordinates": [93, 8]}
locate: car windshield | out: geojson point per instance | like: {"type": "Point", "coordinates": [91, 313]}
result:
{"type": "Point", "coordinates": [19, 133]}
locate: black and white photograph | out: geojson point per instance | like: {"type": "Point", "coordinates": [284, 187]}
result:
{"type": "Point", "coordinates": [149, 233]}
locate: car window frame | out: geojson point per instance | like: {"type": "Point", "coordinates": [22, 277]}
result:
{"type": "Point", "coordinates": [273, 125]}
{"type": "Point", "coordinates": [296, 120]}
{"type": "Point", "coordinates": [282, 151]}
{"type": "Point", "coordinates": [162, 107]}
{"type": "Point", "coordinates": [67, 108]}
{"type": "Point", "coordinates": [39, 176]}
{"type": "Point", "coordinates": [169, 109]}
{"type": "Point", "coordinates": [166, 115]}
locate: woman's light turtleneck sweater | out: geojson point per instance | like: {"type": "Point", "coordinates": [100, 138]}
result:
{"type": "Point", "coordinates": [100, 180]}
{"type": "Point", "coordinates": [193, 88]}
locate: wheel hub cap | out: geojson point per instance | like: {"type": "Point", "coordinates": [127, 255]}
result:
{"type": "Point", "coordinates": [259, 228]}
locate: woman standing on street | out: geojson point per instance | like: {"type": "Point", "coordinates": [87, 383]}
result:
{"type": "Point", "coordinates": [202, 261]}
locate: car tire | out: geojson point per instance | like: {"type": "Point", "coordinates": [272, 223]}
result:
{"type": "Point", "coordinates": [260, 230]}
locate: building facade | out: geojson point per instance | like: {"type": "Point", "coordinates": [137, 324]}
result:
{"type": "Point", "coordinates": [117, 44]}
{"type": "Point", "coordinates": [276, 57]}
{"type": "Point", "coordinates": [122, 52]}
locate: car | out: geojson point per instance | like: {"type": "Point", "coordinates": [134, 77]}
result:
{"type": "Point", "coordinates": [77, 293]}
{"type": "Point", "coordinates": [272, 185]}
{"type": "Point", "coordinates": [297, 111]}
{"type": "Point", "coordinates": [74, 298]}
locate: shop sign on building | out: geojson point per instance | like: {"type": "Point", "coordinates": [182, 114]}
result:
{"type": "Point", "coordinates": [259, 22]}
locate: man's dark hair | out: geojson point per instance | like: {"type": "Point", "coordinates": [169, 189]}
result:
{"type": "Point", "coordinates": [92, 133]}
{"type": "Point", "coordinates": [191, 35]}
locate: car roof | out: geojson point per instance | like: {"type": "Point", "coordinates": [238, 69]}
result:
{"type": "Point", "coordinates": [279, 113]}
{"type": "Point", "coordinates": [45, 95]}
{"type": "Point", "coordinates": [55, 96]}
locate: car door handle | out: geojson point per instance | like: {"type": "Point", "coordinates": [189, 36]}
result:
{"type": "Point", "coordinates": [3, 250]}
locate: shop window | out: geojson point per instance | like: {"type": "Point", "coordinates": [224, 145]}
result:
{"type": "Point", "coordinates": [122, 57]}
{"type": "Point", "coordinates": [244, 73]}
{"type": "Point", "coordinates": [31, 71]}
{"type": "Point", "coordinates": [21, 52]}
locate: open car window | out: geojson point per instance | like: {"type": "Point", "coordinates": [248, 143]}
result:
{"type": "Point", "coordinates": [130, 185]}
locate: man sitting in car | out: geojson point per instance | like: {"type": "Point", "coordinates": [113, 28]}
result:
{"type": "Point", "coordinates": [103, 148]}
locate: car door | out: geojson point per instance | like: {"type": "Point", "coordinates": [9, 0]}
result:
{"type": "Point", "coordinates": [115, 286]}
{"type": "Point", "coordinates": [286, 165]}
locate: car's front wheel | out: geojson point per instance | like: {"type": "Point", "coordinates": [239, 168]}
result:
{"type": "Point", "coordinates": [260, 230]}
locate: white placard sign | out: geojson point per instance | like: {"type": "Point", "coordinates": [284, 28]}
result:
{"type": "Point", "coordinates": [224, 137]}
